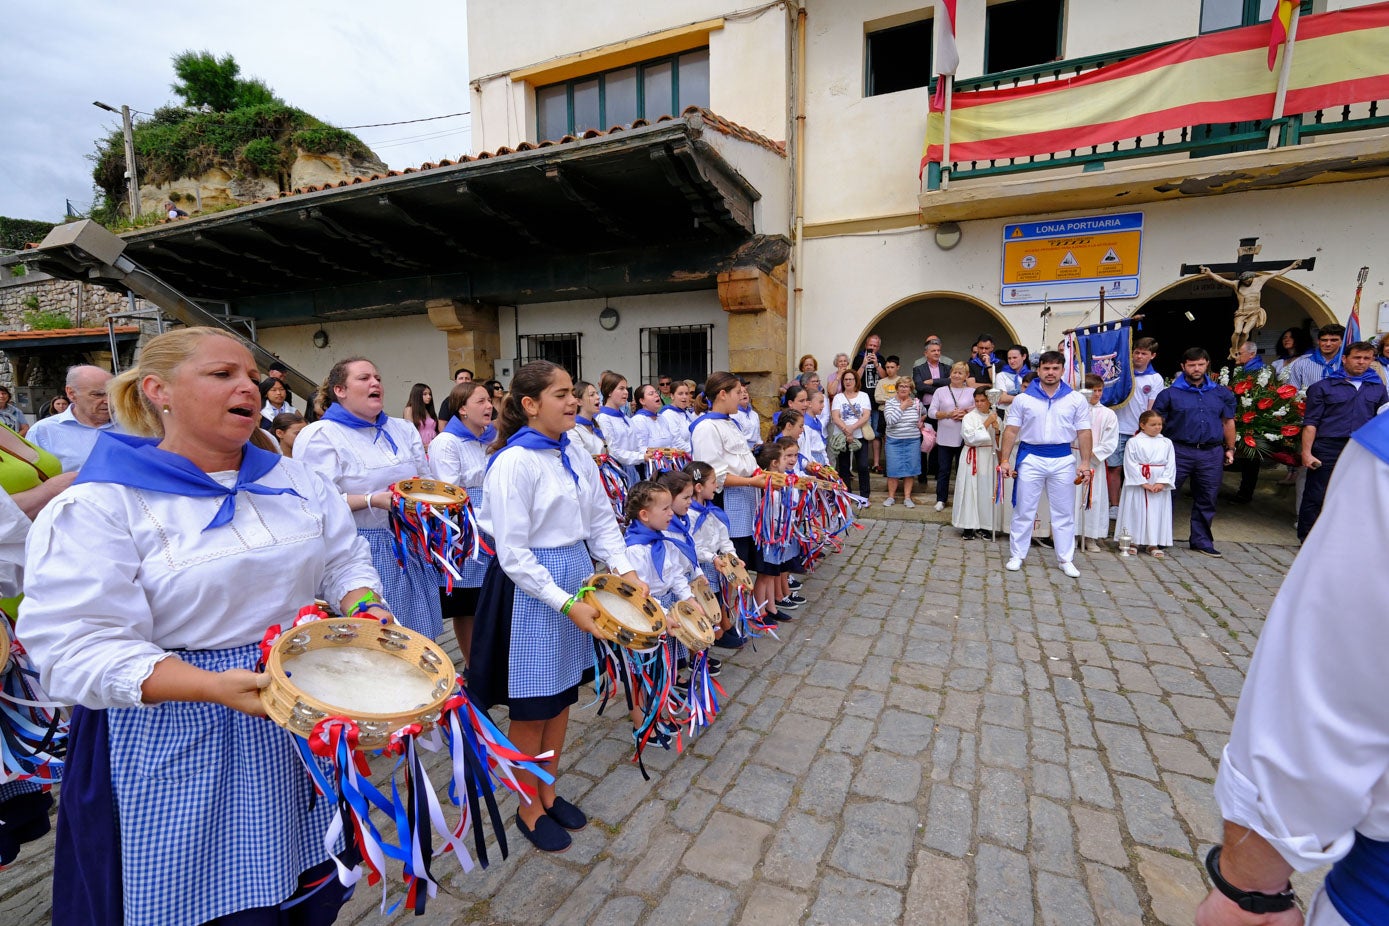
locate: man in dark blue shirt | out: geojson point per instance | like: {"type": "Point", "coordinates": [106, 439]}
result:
{"type": "Point", "coordinates": [1198, 416]}
{"type": "Point", "coordinates": [1336, 408]}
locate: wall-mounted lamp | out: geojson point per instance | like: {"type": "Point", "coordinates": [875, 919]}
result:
{"type": "Point", "coordinates": [608, 318]}
{"type": "Point", "coordinates": [320, 339]}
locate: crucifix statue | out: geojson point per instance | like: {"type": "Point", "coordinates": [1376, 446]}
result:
{"type": "Point", "coordinates": [1248, 279]}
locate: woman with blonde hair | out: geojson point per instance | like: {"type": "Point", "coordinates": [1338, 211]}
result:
{"type": "Point", "coordinates": [181, 804]}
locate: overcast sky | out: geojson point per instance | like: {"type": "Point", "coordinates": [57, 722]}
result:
{"type": "Point", "coordinates": [347, 62]}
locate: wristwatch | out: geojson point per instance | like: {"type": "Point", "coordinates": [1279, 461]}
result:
{"type": "Point", "coordinates": [1248, 901]}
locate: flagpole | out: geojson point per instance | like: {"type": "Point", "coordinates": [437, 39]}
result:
{"type": "Point", "coordinates": [1280, 98]}
{"type": "Point", "coordinates": [945, 144]}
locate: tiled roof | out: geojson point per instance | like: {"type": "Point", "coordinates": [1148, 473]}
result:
{"type": "Point", "coordinates": [58, 333]}
{"type": "Point", "coordinates": [711, 120]}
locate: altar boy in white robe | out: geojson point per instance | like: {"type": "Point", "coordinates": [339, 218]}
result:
{"type": "Point", "coordinates": [1092, 498]}
{"type": "Point", "coordinates": [975, 510]}
{"type": "Point", "coordinates": [1145, 501]}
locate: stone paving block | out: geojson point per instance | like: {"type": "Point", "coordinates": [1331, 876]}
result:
{"type": "Point", "coordinates": [1201, 713]}
{"type": "Point", "coordinates": [654, 868]}
{"type": "Point", "coordinates": [852, 902]}
{"type": "Point", "coordinates": [617, 795]}
{"type": "Point", "coordinates": [943, 751]}
{"type": "Point", "coordinates": [1176, 885]}
{"type": "Point", "coordinates": [876, 842]}
{"type": "Point", "coordinates": [764, 715]}
{"type": "Point", "coordinates": [913, 698]}
{"type": "Point", "coordinates": [1097, 835]}
{"type": "Point", "coordinates": [1180, 755]}
{"type": "Point", "coordinates": [1112, 896]}
{"type": "Point", "coordinates": [1000, 746]}
{"type": "Point", "coordinates": [1003, 808]}
{"type": "Point", "coordinates": [728, 849]}
{"type": "Point", "coordinates": [688, 901]}
{"type": "Point", "coordinates": [1078, 726]}
{"type": "Point", "coordinates": [800, 842]}
{"type": "Point", "coordinates": [819, 702]}
{"type": "Point", "coordinates": [760, 792]}
{"type": "Point", "coordinates": [964, 678]}
{"type": "Point", "coordinates": [1053, 837]}
{"type": "Point", "coordinates": [939, 892]}
{"type": "Point", "coordinates": [1089, 779]}
{"type": "Point", "coordinates": [949, 820]}
{"type": "Point", "coordinates": [963, 773]}
{"type": "Point", "coordinates": [597, 885]}
{"type": "Point", "coordinates": [1149, 815]}
{"type": "Point", "coordinates": [1154, 715]}
{"type": "Point", "coordinates": [680, 778]}
{"type": "Point", "coordinates": [1180, 680]}
{"type": "Point", "coordinates": [1003, 887]}
{"type": "Point", "coordinates": [861, 702]}
{"type": "Point", "coordinates": [850, 735]}
{"type": "Point", "coordinates": [903, 733]}
{"type": "Point", "coordinates": [1005, 710]}
{"type": "Point", "coordinates": [1195, 803]}
{"type": "Point", "coordinates": [825, 787]}
{"type": "Point", "coordinates": [1045, 714]}
{"type": "Point", "coordinates": [791, 746]}
{"type": "Point", "coordinates": [1225, 681]}
{"type": "Point", "coordinates": [961, 709]}
{"type": "Point", "coordinates": [1096, 677]}
{"type": "Point", "coordinates": [876, 674]}
{"type": "Point", "coordinates": [1048, 746]}
{"type": "Point", "coordinates": [889, 777]}
{"type": "Point", "coordinates": [1110, 706]}
{"type": "Point", "coordinates": [774, 906]}
{"type": "Point", "coordinates": [536, 889]}
{"type": "Point", "coordinates": [1063, 901]}
{"type": "Point", "coordinates": [725, 765]}
{"type": "Point", "coordinates": [1126, 750]}
{"type": "Point", "coordinates": [1052, 781]}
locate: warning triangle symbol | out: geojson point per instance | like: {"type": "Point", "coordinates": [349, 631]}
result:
{"type": "Point", "coordinates": [1110, 257]}
{"type": "Point", "coordinates": [1017, 233]}
{"type": "Point", "coordinates": [1069, 260]}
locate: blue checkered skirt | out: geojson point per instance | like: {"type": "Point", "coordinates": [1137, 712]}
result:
{"type": "Point", "coordinates": [548, 653]}
{"type": "Point", "coordinates": [740, 504]}
{"type": "Point", "coordinates": [677, 649]}
{"type": "Point", "coordinates": [711, 574]}
{"type": "Point", "coordinates": [411, 593]}
{"type": "Point", "coordinates": [13, 789]}
{"type": "Point", "coordinates": [216, 812]}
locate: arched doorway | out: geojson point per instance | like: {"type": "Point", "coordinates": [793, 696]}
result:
{"type": "Point", "coordinates": [955, 318]}
{"type": "Point", "coordinates": [1197, 312]}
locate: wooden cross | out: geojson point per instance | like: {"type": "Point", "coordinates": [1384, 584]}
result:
{"type": "Point", "coordinates": [1248, 249]}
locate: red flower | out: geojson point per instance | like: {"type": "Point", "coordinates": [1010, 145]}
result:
{"type": "Point", "coordinates": [1264, 404]}
{"type": "Point", "coordinates": [1290, 430]}
{"type": "Point", "coordinates": [1247, 417]}
{"type": "Point", "coordinates": [1287, 391]}
{"type": "Point", "coordinates": [1243, 386]}
{"type": "Point", "coordinates": [1301, 408]}
{"type": "Point", "coordinates": [1249, 440]}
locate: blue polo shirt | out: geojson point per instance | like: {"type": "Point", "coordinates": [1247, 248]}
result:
{"type": "Point", "coordinates": [1336, 408]}
{"type": "Point", "coordinates": [1195, 416]}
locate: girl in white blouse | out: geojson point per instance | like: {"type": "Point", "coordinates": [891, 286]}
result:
{"type": "Point", "coordinates": [673, 421]}
{"type": "Point", "coordinates": [617, 428]}
{"type": "Point", "coordinates": [531, 642]}
{"type": "Point", "coordinates": [588, 431]}
{"type": "Point", "coordinates": [459, 455]}
{"type": "Point", "coordinates": [181, 803]}
{"type": "Point", "coordinates": [363, 452]}
{"type": "Point", "coordinates": [715, 439]}
{"type": "Point", "coordinates": [646, 430]}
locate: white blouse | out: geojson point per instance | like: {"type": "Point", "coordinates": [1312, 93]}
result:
{"type": "Point", "coordinates": [812, 444]}
{"type": "Point", "coordinates": [973, 432]}
{"type": "Point", "coordinates": [1040, 422]}
{"type": "Point", "coordinates": [723, 446]}
{"type": "Point", "coordinates": [673, 577]}
{"type": "Point", "coordinates": [357, 465]}
{"type": "Point", "coordinates": [673, 428]}
{"type": "Point", "coordinates": [622, 439]}
{"type": "Point", "coordinates": [1104, 433]}
{"type": "Point", "coordinates": [646, 432]}
{"type": "Point", "coordinates": [593, 445]}
{"type": "Point", "coordinates": [750, 423]}
{"type": "Point", "coordinates": [532, 503]}
{"type": "Point", "coordinates": [155, 581]}
{"type": "Point", "coordinates": [711, 539]}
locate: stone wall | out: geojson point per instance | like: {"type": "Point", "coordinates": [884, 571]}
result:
{"type": "Point", "coordinates": [223, 186]}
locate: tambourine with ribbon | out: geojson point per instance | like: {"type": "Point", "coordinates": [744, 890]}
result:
{"type": "Point", "coordinates": [436, 519]}
{"type": "Point", "coordinates": [614, 481]}
{"type": "Point", "coordinates": [33, 727]}
{"type": "Point", "coordinates": [665, 459]}
{"type": "Point", "coordinates": [345, 686]}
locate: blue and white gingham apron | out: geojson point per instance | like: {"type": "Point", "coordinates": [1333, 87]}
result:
{"type": "Point", "coordinates": [411, 593]}
{"type": "Point", "coordinates": [740, 504]}
{"type": "Point", "coordinates": [217, 813]}
{"type": "Point", "coordinates": [711, 574]}
{"type": "Point", "coordinates": [548, 652]}
{"type": "Point", "coordinates": [14, 789]}
{"type": "Point", "coordinates": [775, 554]}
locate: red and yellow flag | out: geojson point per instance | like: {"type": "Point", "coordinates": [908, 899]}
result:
{"type": "Point", "coordinates": [1280, 25]}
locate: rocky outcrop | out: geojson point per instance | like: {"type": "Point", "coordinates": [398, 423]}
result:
{"type": "Point", "coordinates": [221, 187]}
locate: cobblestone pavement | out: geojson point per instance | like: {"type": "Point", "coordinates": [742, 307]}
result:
{"type": "Point", "coordinates": [933, 741]}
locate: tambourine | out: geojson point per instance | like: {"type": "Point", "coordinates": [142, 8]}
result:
{"type": "Point", "coordinates": [687, 622]}
{"type": "Point", "coordinates": [733, 569]}
{"type": "Point", "coordinates": [433, 492]}
{"type": "Point", "coordinates": [706, 598]}
{"type": "Point", "coordinates": [665, 459]}
{"type": "Point", "coordinates": [381, 676]}
{"type": "Point", "coordinates": [625, 616]}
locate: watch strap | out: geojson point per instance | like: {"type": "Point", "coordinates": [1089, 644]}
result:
{"type": "Point", "coordinates": [1248, 901]}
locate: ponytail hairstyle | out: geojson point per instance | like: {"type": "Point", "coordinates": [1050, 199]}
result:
{"type": "Point", "coordinates": [699, 471]}
{"type": "Point", "coordinates": [640, 497]}
{"type": "Point", "coordinates": [675, 481]}
{"type": "Point", "coordinates": [529, 382]}
{"type": "Point", "coordinates": [785, 418]}
{"type": "Point", "coordinates": [606, 385]}
{"type": "Point", "coordinates": [460, 394]}
{"type": "Point", "coordinates": [337, 376]}
{"type": "Point", "coordinates": [161, 357]}
{"type": "Point", "coordinates": [722, 381]}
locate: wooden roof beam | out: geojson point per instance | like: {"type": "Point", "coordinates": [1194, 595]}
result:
{"type": "Point", "coordinates": [583, 193]}
{"type": "Point", "coordinates": [490, 209]}
{"type": "Point", "coordinates": [289, 244]}
{"type": "Point", "coordinates": [378, 248]}
{"type": "Point", "coordinates": [415, 220]}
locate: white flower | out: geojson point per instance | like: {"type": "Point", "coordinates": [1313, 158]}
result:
{"type": "Point", "coordinates": [1272, 437]}
{"type": "Point", "coordinates": [1246, 401]}
{"type": "Point", "coordinates": [1281, 412]}
{"type": "Point", "coordinates": [1224, 376]}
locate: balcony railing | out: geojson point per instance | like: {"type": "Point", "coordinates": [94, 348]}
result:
{"type": "Point", "coordinates": [1194, 141]}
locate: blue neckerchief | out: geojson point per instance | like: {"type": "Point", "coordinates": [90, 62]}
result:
{"type": "Point", "coordinates": [639, 535]}
{"type": "Point", "coordinates": [461, 431]}
{"type": "Point", "coordinates": [138, 462]}
{"type": "Point", "coordinates": [683, 539]}
{"type": "Point", "coordinates": [1035, 390]}
{"type": "Point", "coordinates": [612, 411]}
{"type": "Point", "coordinates": [675, 408]}
{"type": "Point", "coordinates": [709, 416]}
{"type": "Point", "coordinates": [645, 413]}
{"type": "Point", "coordinates": [1183, 384]}
{"type": "Point", "coordinates": [1369, 376]}
{"type": "Point", "coordinates": [531, 439]}
{"type": "Point", "coordinates": [1329, 368]}
{"type": "Point", "coordinates": [988, 361]}
{"type": "Point", "coordinates": [744, 409]}
{"type": "Point", "coordinates": [1255, 364]}
{"type": "Point", "coordinates": [802, 461]}
{"type": "Point", "coordinates": [1145, 371]}
{"type": "Point", "coordinates": [339, 415]}
{"type": "Point", "coordinates": [704, 511]}
{"type": "Point", "coordinates": [589, 423]}
{"type": "Point", "coordinates": [814, 424]}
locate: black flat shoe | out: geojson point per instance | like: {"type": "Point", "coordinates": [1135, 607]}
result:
{"type": "Point", "coordinates": [566, 815]}
{"type": "Point", "coordinates": [548, 836]}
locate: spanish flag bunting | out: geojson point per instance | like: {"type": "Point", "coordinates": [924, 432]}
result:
{"type": "Point", "coordinates": [1280, 26]}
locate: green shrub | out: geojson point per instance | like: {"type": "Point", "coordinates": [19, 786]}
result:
{"type": "Point", "coordinates": [45, 319]}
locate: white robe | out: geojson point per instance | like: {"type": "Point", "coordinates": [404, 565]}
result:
{"type": "Point", "coordinates": [1143, 515]}
{"type": "Point", "coordinates": [974, 507]}
{"type": "Point", "coordinates": [1093, 520]}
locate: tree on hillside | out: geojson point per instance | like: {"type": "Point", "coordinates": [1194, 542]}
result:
{"type": "Point", "coordinates": [206, 80]}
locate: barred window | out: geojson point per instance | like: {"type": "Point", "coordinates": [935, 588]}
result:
{"type": "Point", "coordinates": [680, 352]}
{"type": "Point", "coordinates": [562, 349]}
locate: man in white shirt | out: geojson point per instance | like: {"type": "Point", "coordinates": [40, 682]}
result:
{"type": "Point", "coordinates": [71, 434]}
{"type": "Point", "coordinates": [1043, 422]}
{"type": "Point", "coordinates": [1147, 383]}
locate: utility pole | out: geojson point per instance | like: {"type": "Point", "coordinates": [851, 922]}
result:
{"type": "Point", "coordinates": [133, 182]}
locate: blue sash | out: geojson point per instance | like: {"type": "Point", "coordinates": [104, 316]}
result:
{"type": "Point", "coordinates": [339, 415]}
{"type": "Point", "coordinates": [1358, 885]}
{"type": "Point", "coordinates": [645, 413]}
{"type": "Point", "coordinates": [612, 412]}
{"type": "Point", "coordinates": [1025, 450]}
